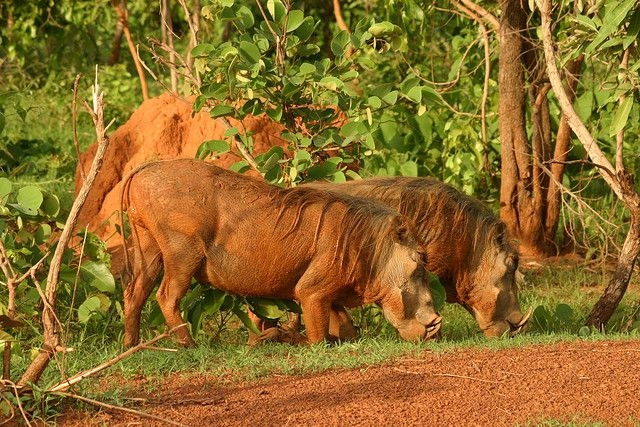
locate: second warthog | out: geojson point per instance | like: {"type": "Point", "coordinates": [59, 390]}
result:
{"type": "Point", "coordinates": [468, 245]}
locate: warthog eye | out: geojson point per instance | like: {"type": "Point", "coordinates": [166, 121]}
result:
{"type": "Point", "coordinates": [511, 261]}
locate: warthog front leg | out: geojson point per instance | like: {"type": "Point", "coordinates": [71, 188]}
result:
{"type": "Point", "coordinates": [315, 309]}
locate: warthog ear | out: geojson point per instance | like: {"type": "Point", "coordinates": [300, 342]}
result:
{"type": "Point", "coordinates": [401, 230]}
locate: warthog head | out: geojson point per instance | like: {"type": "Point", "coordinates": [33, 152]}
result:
{"type": "Point", "coordinates": [490, 293]}
{"type": "Point", "coordinates": [407, 303]}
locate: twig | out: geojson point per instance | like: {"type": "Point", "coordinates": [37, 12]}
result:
{"type": "Point", "coordinates": [242, 149]}
{"type": "Point", "coordinates": [17, 395]}
{"type": "Point", "coordinates": [193, 30]}
{"type": "Point", "coordinates": [74, 124]}
{"type": "Point", "coordinates": [118, 408]}
{"type": "Point", "coordinates": [101, 367]}
{"type": "Point", "coordinates": [467, 378]}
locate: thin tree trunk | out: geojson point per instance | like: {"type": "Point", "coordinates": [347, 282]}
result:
{"type": "Point", "coordinates": [560, 154]}
{"type": "Point", "coordinates": [115, 47]}
{"type": "Point", "coordinates": [609, 300]}
{"type": "Point", "coordinates": [123, 15]}
{"type": "Point", "coordinates": [167, 38]}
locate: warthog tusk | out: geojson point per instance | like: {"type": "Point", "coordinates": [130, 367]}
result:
{"type": "Point", "coordinates": [433, 327]}
{"type": "Point", "coordinates": [515, 329]}
{"type": "Point", "coordinates": [525, 318]}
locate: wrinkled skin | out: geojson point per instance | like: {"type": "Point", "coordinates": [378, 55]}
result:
{"type": "Point", "coordinates": [467, 246]}
{"type": "Point", "coordinates": [190, 219]}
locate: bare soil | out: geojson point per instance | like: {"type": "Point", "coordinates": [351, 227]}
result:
{"type": "Point", "coordinates": [578, 382]}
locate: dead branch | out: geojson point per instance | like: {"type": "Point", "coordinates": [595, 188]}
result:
{"type": "Point", "coordinates": [63, 385]}
{"type": "Point", "coordinates": [166, 23]}
{"type": "Point", "coordinates": [51, 331]}
{"type": "Point", "coordinates": [122, 12]}
{"type": "Point", "coordinates": [118, 408]}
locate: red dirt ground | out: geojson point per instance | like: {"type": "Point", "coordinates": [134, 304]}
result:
{"type": "Point", "coordinates": [581, 382]}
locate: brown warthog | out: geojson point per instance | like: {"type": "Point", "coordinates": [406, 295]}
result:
{"type": "Point", "coordinates": [467, 245]}
{"type": "Point", "coordinates": [244, 236]}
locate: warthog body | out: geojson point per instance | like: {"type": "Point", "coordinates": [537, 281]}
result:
{"type": "Point", "coordinates": [247, 237]}
{"type": "Point", "coordinates": [467, 245]}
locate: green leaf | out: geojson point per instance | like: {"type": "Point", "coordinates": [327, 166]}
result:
{"type": "Point", "coordinates": [584, 331]}
{"type": "Point", "coordinates": [5, 190]}
{"type": "Point", "coordinates": [584, 105]}
{"type": "Point", "coordinates": [384, 28]}
{"type": "Point", "coordinates": [50, 205]}
{"type": "Point", "coordinates": [240, 167]}
{"type": "Point", "coordinates": [221, 110]}
{"type": "Point", "coordinates": [203, 49]}
{"type": "Point", "coordinates": [249, 52]}
{"type": "Point", "coordinates": [294, 20]}
{"type": "Point", "coordinates": [214, 146]}
{"type": "Point", "coordinates": [276, 9]}
{"type": "Point", "coordinates": [30, 198]}
{"type": "Point", "coordinates": [374, 102]}
{"type": "Point", "coordinates": [632, 31]}
{"type": "Point", "coordinates": [245, 18]}
{"type": "Point", "coordinates": [415, 94]}
{"type": "Point", "coordinates": [409, 168]}
{"type": "Point", "coordinates": [621, 116]}
{"type": "Point", "coordinates": [98, 276]}
{"type": "Point", "coordinates": [564, 313]}
{"type": "Point", "coordinates": [266, 308]}
{"type": "Point", "coordinates": [42, 233]}
{"type": "Point", "coordinates": [275, 113]}
{"type": "Point", "coordinates": [391, 97]}
{"type": "Point", "coordinates": [245, 320]}
{"type": "Point", "coordinates": [213, 300]}
{"type": "Point", "coordinates": [339, 43]}
{"type": "Point", "coordinates": [306, 29]}
{"type": "Point", "coordinates": [306, 68]}
{"type": "Point", "coordinates": [90, 306]}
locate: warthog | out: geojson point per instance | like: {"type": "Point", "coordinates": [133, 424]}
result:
{"type": "Point", "coordinates": [467, 244]}
{"type": "Point", "coordinates": [247, 237]}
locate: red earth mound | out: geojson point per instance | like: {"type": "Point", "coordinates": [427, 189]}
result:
{"type": "Point", "coordinates": [160, 128]}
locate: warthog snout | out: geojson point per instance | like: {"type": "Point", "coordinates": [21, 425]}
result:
{"type": "Point", "coordinates": [420, 330]}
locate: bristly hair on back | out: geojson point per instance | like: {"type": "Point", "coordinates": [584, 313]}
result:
{"type": "Point", "coordinates": [438, 210]}
{"type": "Point", "coordinates": [365, 240]}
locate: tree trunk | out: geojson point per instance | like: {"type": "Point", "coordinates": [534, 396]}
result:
{"type": "Point", "coordinates": [517, 203]}
{"type": "Point", "coordinates": [609, 300]}
{"type": "Point", "coordinates": [530, 198]}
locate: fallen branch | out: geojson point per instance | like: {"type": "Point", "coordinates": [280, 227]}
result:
{"type": "Point", "coordinates": [63, 385]}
